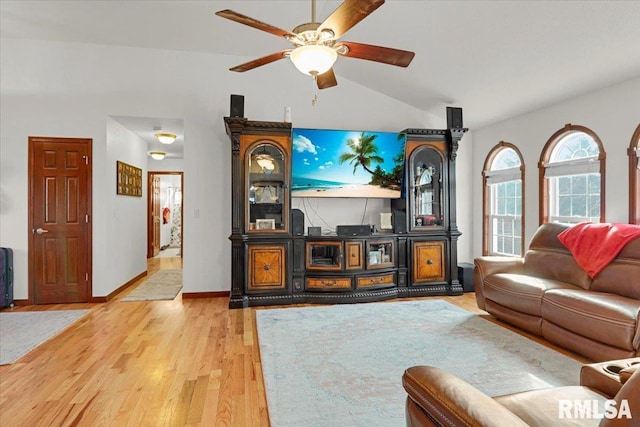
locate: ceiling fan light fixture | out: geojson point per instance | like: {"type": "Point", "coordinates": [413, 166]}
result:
{"type": "Point", "coordinates": [326, 34]}
{"type": "Point", "coordinates": [157, 155]}
{"type": "Point", "coordinates": [342, 49]}
{"type": "Point", "coordinates": [313, 59]}
{"type": "Point", "coordinates": [166, 138]}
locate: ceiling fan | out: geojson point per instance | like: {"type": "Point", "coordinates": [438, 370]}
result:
{"type": "Point", "coordinates": [316, 45]}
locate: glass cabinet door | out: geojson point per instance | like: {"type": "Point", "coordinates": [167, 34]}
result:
{"type": "Point", "coordinates": [426, 195]}
{"type": "Point", "coordinates": [380, 254]}
{"type": "Point", "coordinates": [324, 256]}
{"type": "Point", "coordinates": [266, 189]}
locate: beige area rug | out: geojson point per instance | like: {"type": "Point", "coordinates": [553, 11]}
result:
{"type": "Point", "coordinates": [162, 285]}
{"type": "Point", "coordinates": [23, 331]}
{"type": "Point", "coordinates": [342, 365]}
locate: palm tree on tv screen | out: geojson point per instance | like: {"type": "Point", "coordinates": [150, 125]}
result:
{"type": "Point", "coordinates": [364, 152]}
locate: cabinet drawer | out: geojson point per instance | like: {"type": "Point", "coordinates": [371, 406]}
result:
{"type": "Point", "coordinates": [329, 283]}
{"type": "Point", "coordinates": [384, 280]}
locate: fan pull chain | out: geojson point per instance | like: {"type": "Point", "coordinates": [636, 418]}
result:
{"type": "Point", "coordinates": [314, 100]}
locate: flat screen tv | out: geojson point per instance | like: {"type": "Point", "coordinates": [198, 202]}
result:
{"type": "Point", "coordinates": [347, 163]}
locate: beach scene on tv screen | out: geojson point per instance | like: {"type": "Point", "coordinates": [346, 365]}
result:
{"type": "Point", "coordinates": [346, 163]}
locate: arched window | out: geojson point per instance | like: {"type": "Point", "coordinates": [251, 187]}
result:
{"type": "Point", "coordinates": [503, 183]}
{"type": "Point", "coordinates": [634, 178]}
{"type": "Point", "coordinates": [572, 177]}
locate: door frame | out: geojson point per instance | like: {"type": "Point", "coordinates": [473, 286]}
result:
{"type": "Point", "coordinates": [31, 269]}
{"type": "Point", "coordinates": [150, 175]}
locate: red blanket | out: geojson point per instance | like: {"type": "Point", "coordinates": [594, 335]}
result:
{"type": "Point", "coordinates": [594, 246]}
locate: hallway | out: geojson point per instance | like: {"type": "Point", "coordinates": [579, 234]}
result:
{"type": "Point", "coordinates": [161, 263]}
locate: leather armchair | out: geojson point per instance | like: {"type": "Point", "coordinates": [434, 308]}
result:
{"type": "Point", "coordinates": [438, 398]}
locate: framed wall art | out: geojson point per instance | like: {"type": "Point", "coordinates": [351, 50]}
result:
{"type": "Point", "coordinates": [129, 180]}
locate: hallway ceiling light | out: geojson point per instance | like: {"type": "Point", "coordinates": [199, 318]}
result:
{"type": "Point", "coordinates": [157, 155]}
{"type": "Point", "coordinates": [166, 138]}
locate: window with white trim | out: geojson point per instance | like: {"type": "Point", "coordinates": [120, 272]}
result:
{"type": "Point", "coordinates": [573, 178]}
{"type": "Point", "coordinates": [503, 179]}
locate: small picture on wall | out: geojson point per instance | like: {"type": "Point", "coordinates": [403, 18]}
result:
{"type": "Point", "coordinates": [128, 180]}
{"type": "Point", "coordinates": [265, 224]}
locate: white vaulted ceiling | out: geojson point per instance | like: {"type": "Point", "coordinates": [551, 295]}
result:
{"type": "Point", "coordinates": [497, 59]}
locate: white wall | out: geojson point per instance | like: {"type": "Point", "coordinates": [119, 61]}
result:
{"type": "Point", "coordinates": [126, 237]}
{"type": "Point", "coordinates": [612, 113]}
{"type": "Point", "coordinates": [70, 89]}
{"type": "Point", "coordinates": [467, 210]}
{"type": "Point", "coordinates": [166, 165]}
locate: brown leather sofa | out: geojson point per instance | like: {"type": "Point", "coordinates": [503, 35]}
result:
{"type": "Point", "coordinates": [548, 294]}
{"type": "Point", "coordinates": [438, 398]}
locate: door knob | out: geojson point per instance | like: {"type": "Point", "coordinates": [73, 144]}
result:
{"type": "Point", "coordinates": [41, 231]}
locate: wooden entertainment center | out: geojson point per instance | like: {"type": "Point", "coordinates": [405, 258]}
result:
{"type": "Point", "coordinates": [272, 264]}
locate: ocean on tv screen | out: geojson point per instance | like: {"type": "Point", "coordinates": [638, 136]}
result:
{"type": "Point", "coordinates": [347, 163]}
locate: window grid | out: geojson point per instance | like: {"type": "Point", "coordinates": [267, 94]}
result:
{"type": "Point", "coordinates": [574, 197]}
{"type": "Point", "coordinates": [576, 145]}
{"type": "Point", "coordinates": [505, 222]}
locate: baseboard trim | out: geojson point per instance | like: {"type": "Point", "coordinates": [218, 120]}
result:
{"type": "Point", "coordinates": [194, 295]}
{"type": "Point", "coordinates": [92, 299]}
{"type": "Point", "coordinates": [113, 294]}
{"type": "Point", "coordinates": [21, 302]}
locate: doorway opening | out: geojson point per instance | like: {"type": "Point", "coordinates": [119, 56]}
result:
{"type": "Point", "coordinates": [164, 219]}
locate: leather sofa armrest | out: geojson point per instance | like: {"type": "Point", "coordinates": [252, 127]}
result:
{"type": "Point", "coordinates": [608, 377]}
{"type": "Point", "coordinates": [628, 394]}
{"type": "Point", "coordinates": [488, 265]}
{"type": "Point", "coordinates": [446, 399]}
{"type": "Point", "coordinates": [626, 373]}
{"type": "Point", "coordinates": [595, 377]}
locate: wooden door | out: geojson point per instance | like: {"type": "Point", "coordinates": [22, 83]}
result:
{"type": "Point", "coordinates": [154, 215]}
{"type": "Point", "coordinates": [59, 220]}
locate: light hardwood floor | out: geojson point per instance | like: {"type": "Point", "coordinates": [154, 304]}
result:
{"type": "Point", "coordinates": [187, 362]}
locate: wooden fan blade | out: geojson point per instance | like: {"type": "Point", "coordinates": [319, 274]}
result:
{"type": "Point", "coordinates": [386, 55]}
{"type": "Point", "coordinates": [260, 61]}
{"type": "Point", "coordinates": [326, 80]}
{"type": "Point", "coordinates": [349, 14]}
{"type": "Point", "coordinates": [243, 19]}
